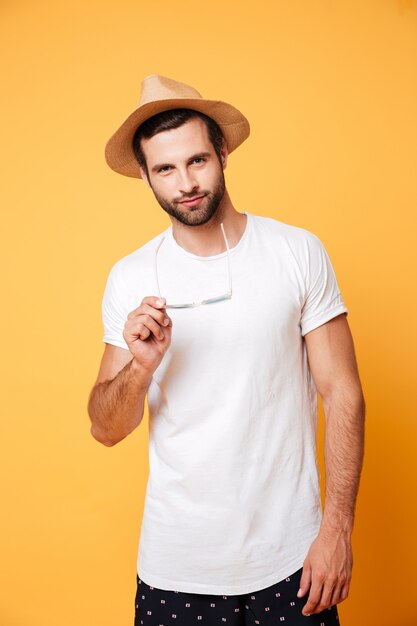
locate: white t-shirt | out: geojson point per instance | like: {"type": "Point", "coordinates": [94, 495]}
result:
{"type": "Point", "coordinates": [233, 496]}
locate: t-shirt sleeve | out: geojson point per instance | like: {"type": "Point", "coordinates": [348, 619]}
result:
{"type": "Point", "coordinates": [322, 299]}
{"type": "Point", "coordinates": [113, 310]}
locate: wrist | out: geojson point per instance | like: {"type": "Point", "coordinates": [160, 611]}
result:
{"type": "Point", "coordinates": [336, 521]}
{"type": "Point", "coordinates": [141, 374]}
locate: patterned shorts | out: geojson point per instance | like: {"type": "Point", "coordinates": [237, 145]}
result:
{"type": "Point", "coordinates": [270, 606]}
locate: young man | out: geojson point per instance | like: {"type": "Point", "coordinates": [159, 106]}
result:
{"type": "Point", "coordinates": [230, 323]}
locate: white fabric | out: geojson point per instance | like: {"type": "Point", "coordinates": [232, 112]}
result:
{"type": "Point", "coordinates": [233, 498]}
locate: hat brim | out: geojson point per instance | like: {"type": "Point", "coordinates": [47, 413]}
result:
{"type": "Point", "coordinates": [119, 153]}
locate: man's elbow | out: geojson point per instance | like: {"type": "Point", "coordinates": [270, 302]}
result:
{"type": "Point", "coordinates": [104, 439]}
{"type": "Point", "coordinates": [350, 397]}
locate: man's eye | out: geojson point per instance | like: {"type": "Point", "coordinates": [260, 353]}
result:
{"type": "Point", "coordinates": [163, 168]}
{"type": "Point", "coordinates": [199, 159]}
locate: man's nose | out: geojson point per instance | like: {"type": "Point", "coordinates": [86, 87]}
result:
{"type": "Point", "coordinates": [188, 182]}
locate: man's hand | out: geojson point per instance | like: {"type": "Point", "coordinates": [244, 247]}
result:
{"type": "Point", "coordinates": [147, 332]}
{"type": "Point", "coordinates": [327, 571]}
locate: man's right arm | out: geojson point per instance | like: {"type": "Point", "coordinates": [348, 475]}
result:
{"type": "Point", "coordinates": [117, 400]}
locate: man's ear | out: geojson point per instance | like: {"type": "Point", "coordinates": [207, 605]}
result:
{"type": "Point", "coordinates": [224, 153]}
{"type": "Point", "coordinates": [143, 174]}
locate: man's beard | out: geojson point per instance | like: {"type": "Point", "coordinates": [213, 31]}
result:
{"type": "Point", "coordinates": [200, 214]}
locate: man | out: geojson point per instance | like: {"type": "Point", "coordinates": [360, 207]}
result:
{"type": "Point", "coordinates": [230, 323]}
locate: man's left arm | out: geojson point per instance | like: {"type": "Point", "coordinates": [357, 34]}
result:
{"type": "Point", "coordinates": [327, 568]}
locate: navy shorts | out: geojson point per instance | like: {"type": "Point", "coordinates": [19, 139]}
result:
{"type": "Point", "coordinates": [268, 607]}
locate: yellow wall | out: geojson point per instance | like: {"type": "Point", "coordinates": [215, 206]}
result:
{"type": "Point", "coordinates": [330, 90]}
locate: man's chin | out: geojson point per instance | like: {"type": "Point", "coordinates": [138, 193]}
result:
{"type": "Point", "coordinates": [196, 217]}
{"type": "Point", "coordinates": [193, 216]}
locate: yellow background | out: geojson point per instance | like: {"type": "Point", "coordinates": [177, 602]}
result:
{"type": "Point", "coordinates": [330, 89]}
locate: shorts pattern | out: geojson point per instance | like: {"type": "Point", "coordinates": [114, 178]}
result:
{"type": "Point", "coordinates": [272, 606]}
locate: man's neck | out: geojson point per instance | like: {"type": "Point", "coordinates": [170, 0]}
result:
{"type": "Point", "coordinates": [207, 239]}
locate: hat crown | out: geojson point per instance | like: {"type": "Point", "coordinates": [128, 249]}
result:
{"type": "Point", "coordinates": [157, 87]}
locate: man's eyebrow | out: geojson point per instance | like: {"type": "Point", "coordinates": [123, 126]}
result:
{"type": "Point", "coordinates": [156, 167]}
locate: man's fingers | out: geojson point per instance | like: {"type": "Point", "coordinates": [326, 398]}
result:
{"type": "Point", "coordinates": [144, 327]}
{"type": "Point", "coordinates": [146, 312]}
{"type": "Point", "coordinates": [344, 591]}
{"type": "Point", "coordinates": [305, 581]}
{"type": "Point", "coordinates": [336, 595]}
{"type": "Point", "coordinates": [152, 301]}
{"type": "Point", "coordinates": [148, 318]}
{"type": "Point", "coordinates": [326, 594]}
{"type": "Point", "coordinates": [313, 597]}
{"type": "Point", "coordinates": [157, 302]}
{"type": "Point", "coordinates": [159, 315]}
{"type": "Point", "coordinates": [141, 332]}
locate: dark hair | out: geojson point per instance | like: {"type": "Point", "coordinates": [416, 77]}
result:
{"type": "Point", "coordinates": [167, 120]}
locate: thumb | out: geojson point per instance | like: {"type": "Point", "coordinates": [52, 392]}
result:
{"type": "Point", "coordinates": [305, 581]}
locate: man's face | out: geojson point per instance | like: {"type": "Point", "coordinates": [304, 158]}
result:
{"type": "Point", "coordinates": [183, 165]}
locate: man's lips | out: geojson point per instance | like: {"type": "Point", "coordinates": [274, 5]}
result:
{"type": "Point", "coordinates": [192, 201]}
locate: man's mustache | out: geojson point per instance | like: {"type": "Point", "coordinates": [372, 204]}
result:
{"type": "Point", "coordinates": [195, 195]}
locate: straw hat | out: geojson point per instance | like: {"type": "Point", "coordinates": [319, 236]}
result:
{"type": "Point", "coordinates": [160, 93]}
